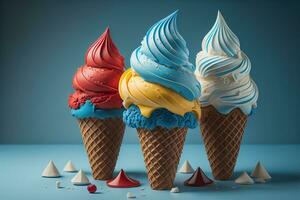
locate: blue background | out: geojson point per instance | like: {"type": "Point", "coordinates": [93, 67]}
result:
{"type": "Point", "coordinates": [43, 42]}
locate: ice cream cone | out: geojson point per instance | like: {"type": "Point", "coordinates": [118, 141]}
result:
{"type": "Point", "coordinates": [222, 136]}
{"type": "Point", "coordinates": [162, 149]}
{"type": "Point", "coordinates": [102, 139]}
{"type": "Point", "coordinates": [160, 94]}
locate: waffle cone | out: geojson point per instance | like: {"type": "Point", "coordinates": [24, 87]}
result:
{"type": "Point", "coordinates": [162, 149]}
{"type": "Point", "coordinates": [222, 136]}
{"type": "Point", "coordinates": [102, 139]}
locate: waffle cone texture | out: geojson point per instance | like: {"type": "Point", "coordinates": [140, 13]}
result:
{"type": "Point", "coordinates": [222, 136]}
{"type": "Point", "coordinates": [162, 149]}
{"type": "Point", "coordinates": [102, 139]}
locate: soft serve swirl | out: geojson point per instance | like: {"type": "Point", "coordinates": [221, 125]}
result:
{"type": "Point", "coordinates": [163, 58]}
{"type": "Point", "coordinates": [97, 80]}
{"type": "Point", "coordinates": [161, 76]}
{"type": "Point", "coordinates": [223, 71]}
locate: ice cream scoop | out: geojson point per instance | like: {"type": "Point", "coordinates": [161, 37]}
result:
{"type": "Point", "coordinates": [163, 58]}
{"type": "Point", "coordinates": [161, 75]}
{"type": "Point", "coordinates": [97, 80]}
{"type": "Point", "coordinates": [223, 70]}
{"type": "Point", "coordinates": [151, 96]}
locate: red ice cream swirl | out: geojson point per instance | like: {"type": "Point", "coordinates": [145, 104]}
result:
{"type": "Point", "coordinates": [98, 79]}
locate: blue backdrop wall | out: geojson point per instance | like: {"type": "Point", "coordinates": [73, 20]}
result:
{"type": "Point", "coordinates": [43, 42]}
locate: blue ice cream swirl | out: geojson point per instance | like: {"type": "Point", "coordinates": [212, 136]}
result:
{"type": "Point", "coordinates": [224, 71]}
{"type": "Point", "coordinates": [163, 58]}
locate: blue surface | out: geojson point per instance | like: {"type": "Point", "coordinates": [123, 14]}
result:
{"type": "Point", "coordinates": [44, 42]}
{"type": "Point", "coordinates": [21, 167]}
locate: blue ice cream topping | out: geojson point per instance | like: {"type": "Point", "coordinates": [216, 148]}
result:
{"type": "Point", "coordinates": [160, 117]}
{"type": "Point", "coordinates": [88, 110]}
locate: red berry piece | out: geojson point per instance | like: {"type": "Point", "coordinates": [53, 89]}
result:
{"type": "Point", "coordinates": [92, 188]}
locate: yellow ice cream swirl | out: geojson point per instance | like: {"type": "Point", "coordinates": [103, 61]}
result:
{"type": "Point", "coordinates": [150, 96]}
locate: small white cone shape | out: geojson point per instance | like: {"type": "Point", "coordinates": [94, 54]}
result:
{"type": "Point", "coordinates": [175, 190]}
{"type": "Point", "coordinates": [186, 168]}
{"type": "Point", "coordinates": [260, 172]}
{"type": "Point", "coordinates": [51, 171]}
{"type": "Point", "coordinates": [244, 179]}
{"type": "Point", "coordinates": [69, 167]}
{"type": "Point", "coordinates": [80, 179]}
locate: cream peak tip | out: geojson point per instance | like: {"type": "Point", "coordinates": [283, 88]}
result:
{"type": "Point", "coordinates": [220, 17]}
{"type": "Point", "coordinates": [174, 14]}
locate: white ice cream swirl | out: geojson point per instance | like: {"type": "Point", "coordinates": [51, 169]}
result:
{"type": "Point", "coordinates": [223, 71]}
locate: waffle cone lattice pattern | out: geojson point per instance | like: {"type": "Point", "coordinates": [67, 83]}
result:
{"type": "Point", "coordinates": [162, 149]}
{"type": "Point", "coordinates": [102, 139]}
{"type": "Point", "coordinates": [222, 136]}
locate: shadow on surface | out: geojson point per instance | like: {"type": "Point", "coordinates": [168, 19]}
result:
{"type": "Point", "coordinates": [220, 186]}
{"type": "Point", "coordinates": [95, 193]}
{"type": "Point", "coordinates": [277, 177]}
{"type": "Point", "coordinates": [225, 186]}
{"type": "Point", "coordinates": [217, 186]}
